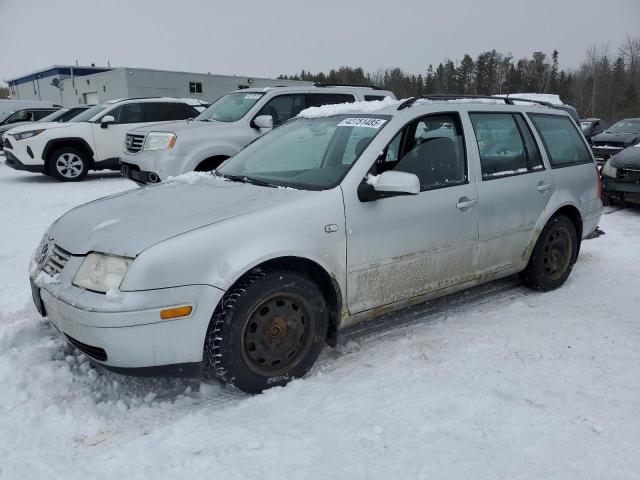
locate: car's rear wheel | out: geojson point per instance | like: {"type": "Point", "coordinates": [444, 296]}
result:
{"type": "Point", "coordinates": [68, 164]}
{"type": "Point", "coordinates": [268, 329]}
{"type": "Point", "coordinates": [553, 256]}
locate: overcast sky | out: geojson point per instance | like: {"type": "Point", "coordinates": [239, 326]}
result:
{"type": "Point", "coordinates": [267, 38]}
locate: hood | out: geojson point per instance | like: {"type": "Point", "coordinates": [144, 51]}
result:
{"type": "Point", "coordinates": [616, 137]}
{"type": "Point", "coordinates": [129, 222]}
{"type": "Point", "coordinates": [181, 126]}
{"type": "Point", "coordinates": [628, 158]}
{"type": "Point", "coordinates": [10, 126]}
{"type": "Point", "coordinates": [35, 125]}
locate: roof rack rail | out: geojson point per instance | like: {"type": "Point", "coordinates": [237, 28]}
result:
{"type": "Point", "coordinates": [320, 84]}
{"type": "Point", "coordinates": [507, 100]}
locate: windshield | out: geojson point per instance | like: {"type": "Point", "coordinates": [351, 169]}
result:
{"type": "Point", "coordinates": [311, 154]}
{"type": "Point", "coordinates": [625, 126]}
{"type": "Point", "coordinates": [90, 113]}
{"type": "Point", "coordinates": [5, 115]}
{"type": "Point", "coordinates": [230, 108]}
{"type": "Point", "coordinates": [55, 116]}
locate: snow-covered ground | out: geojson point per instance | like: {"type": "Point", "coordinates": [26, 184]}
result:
{"type": "Point", "coordinates": [498, 382]}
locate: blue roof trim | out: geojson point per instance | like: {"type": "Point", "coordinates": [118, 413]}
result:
{"type": "Point", "coordinates": [77, 72]}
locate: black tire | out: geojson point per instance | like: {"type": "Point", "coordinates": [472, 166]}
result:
{"type": "Point", "coordinates": [553, 256]}
{"type": "Point", "coordinates": [267, 330]}
{"type": "Point", "coordinates": [68, 164]}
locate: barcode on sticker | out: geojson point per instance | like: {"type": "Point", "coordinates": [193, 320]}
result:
{"type": "Point", "coordinates": [252, 96]}
{"type": "Point", "coordinates": [362, 122]}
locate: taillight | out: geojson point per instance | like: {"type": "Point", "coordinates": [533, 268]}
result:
{"type": "Point", "coordinates": [599, 183]}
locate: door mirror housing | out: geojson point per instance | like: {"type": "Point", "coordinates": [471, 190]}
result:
{"type": "Point", "coordinates": [388, 184]}
{"type": "Point", "coordinates": [263, 121]}
{"type": "Point", "coordinates": [107, 120]}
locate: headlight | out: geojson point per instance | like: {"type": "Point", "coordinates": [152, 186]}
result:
{"type": "Point", "coordinates": [101, 272]}
{"type": "Point", "coordinates": [29, 134]}
{"type": "Point", "coordinates": [609, 171]}
{"type": "Point", "coordinates": [159, 141]}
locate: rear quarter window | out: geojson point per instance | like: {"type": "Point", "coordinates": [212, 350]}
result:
{"type": "Point", "coordinates": [562, 142]}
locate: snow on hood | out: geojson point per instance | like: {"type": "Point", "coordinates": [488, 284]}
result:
{"type": "Point", "coordinates": [628, 158]}
{"type": "Point", "coordinates": [129, 222]}
{"type": "Point", "coordinates": [349, 108]}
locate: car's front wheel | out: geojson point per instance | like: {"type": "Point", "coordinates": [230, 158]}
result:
{"type": "Point", "coordinates": [68, 164]}
{"type": "Point", "coordinates": [268, 329]}
{"type": "Point", "coordinates": [553, 256]}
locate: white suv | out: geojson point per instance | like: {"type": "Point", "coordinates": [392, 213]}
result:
{"type": "Point", "coordinates": [91, 141]}
{"type": "Point", "coordinates": [155, 153]}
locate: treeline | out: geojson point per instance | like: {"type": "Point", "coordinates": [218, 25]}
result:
{"type": "Point", "coordinates": [606, 85]}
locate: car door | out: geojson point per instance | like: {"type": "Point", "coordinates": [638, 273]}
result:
{"type": "Point", "coordinates": [514, 188]}
{"type": "Point", "coordinates": [109, 139]}
{"type": "Point", "coordinates": [406, 246]}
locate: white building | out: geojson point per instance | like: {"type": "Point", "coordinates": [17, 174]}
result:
{"type": "Point", "coordinates": [73, 84]}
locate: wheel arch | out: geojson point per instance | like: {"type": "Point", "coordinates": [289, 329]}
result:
{"type": "Point", "coordinates": [75, 142]}
{"type": "Point", "coordinates": [570, 211]}
{"type": "Point", "coordinates": [210, 163]}
{"type": "Point", "coordinates": [327, 283]}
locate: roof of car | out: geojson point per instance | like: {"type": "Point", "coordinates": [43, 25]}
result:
{"type": "Point", "coordinates": [147, 99]}
{"type": "Point", "coordinates": [319, 87]}
{"type": "Point", "coordinates": [392, 107]}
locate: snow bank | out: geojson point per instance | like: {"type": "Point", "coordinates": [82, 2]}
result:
{"type": "Point", "coordinates": [348, 108]}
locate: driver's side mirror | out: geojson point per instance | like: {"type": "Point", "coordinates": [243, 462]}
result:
{"type": "Point", "coordinates": [388, 184]}
{"type": "Point", "coordinates": [263, 121]}
{"type": "Point", "coordinates": [107, 120]}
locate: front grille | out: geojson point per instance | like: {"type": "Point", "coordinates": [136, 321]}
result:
{"type": "Point", "coordinates": [56, 260]}
{"type": "Point", "coordinates": [134, 143]}
{"type": "Point", "coordinates": [89, 350]}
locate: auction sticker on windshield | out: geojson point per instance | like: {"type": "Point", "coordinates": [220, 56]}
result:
{"type": "Point", "coordinates": [252, 96]}
{"type": "Point", "coordinates": [362, 122]}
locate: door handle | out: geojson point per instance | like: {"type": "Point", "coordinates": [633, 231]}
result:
{"type": "Point", "coordinates": [543, 187]}
{"type": "Point", "coordinates": [464, 203]}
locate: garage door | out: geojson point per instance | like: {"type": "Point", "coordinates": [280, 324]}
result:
{"type": "Point", "coordinates": [91, 98]}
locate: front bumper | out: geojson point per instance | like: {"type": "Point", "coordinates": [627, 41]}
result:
{"type": "Point", "coordinates": [625, 188]}
{"type": "Point", "coordinates": [126, 334]}
{"type": "Point", "coordinates": [152, 166]}
{"type": "Point", "coordinates": [12, 161]}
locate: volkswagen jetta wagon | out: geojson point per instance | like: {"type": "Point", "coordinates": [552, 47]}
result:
{"type": "Point", "coordinates": [339, 215]}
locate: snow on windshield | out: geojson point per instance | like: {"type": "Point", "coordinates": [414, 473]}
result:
{"type": "Point", "coordinates": [346, 108]}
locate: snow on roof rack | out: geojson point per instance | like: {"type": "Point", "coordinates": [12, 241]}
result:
{"type": "Point", "coordinates": [507, 100]}
{"type": "Point", "coordinates": [319, 84]}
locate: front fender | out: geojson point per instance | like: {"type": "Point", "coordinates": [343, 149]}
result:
{"type": "Point", "coordinates": [219, 254]}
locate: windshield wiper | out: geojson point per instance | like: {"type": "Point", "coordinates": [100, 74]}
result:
{"type": "Point", "coordinates": [245, 179]}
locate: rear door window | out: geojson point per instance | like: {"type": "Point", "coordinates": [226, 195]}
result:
{"type": "Point", "coordinates": [371, 98]}
{"type": "Point", "coordinates": [564, 145]}
{"type": "Point", "coordinates": [505, 144]}
{"type": "Point", "coordinates": [165, 111]}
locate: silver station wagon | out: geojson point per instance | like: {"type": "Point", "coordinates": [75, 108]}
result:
{"type": "Point", "coordinates": [341, 214]}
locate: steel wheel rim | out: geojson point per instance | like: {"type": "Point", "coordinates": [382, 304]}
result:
{"type": "Point", "coordinates": [278, 334]}
{"type": "Point", "coordinates": [557, 252]}
{"type": "Point", "coordinates": [69, 165]}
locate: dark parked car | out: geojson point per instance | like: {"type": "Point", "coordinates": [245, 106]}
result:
{"type": "Point", "coordinates": [592, 126]}
{"type": "Point", "coordinates": [621, 177]}
{"type": "Point", "coordinates": [10, 120]}
{"type": "Point", "coordinates": [616, 138]}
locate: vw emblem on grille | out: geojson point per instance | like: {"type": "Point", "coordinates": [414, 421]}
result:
{"type": "Point", "coordinates": [45, 249]}
{"type": "Point", "coordinates": [129, 141]}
